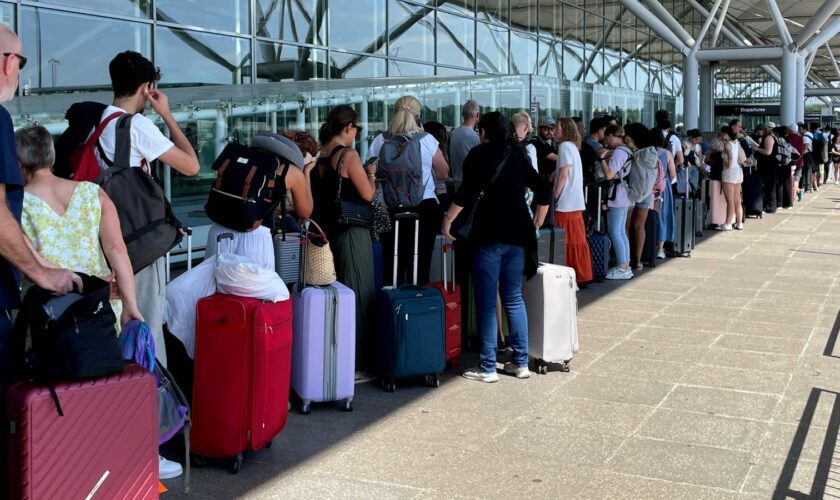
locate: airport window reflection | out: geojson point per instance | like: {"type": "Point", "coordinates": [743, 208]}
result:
{"type": "Point", "coordinates": [353, 28]}
{"type": "Point", "coordinates": [195, 58]}
{"type": "Point", "coordinates": [66, 50]}
{"type": "Point", "coordinates": [523, 15]}
{"type": "Point", "coordinates": [493, 10]}
{"type": "Point", "coordinates": [523, 47]}
{"type": "Point", "coordinates": [403, 68]}
{"type": "Point", "coordinates": [455, 40]}
{"type": "Point", "coordinates": [492, 48]}
{"type": "Point", "coordinates": [463, 7]}
{"type": "Point", "coordinates": [411, 31]}
{"type": "Point", "coordinates": [135, 8]}
{"type": "Point", "coordinates": [277, 62]}
{"type": "Point", "coordinates": [347, 65]}
{"type": "Point", "coordinates": [220, 15]}
{"type": "Point", "coordinates": [7, 15]}
{"type": "Point", "coordinates": [298, 21]}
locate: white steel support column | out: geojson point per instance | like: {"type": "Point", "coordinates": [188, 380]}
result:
{"type": "Point", "coordinates": [789, 81]}
{"type": "Point", "coordinates": [707, 97]}
{"type": "Point", "coordinates": [800, 88]}
{"type": "Point", "coordinates": [691, 101]}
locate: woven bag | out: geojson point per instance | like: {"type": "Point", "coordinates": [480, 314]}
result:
{"type": "Point", "coordinates": [318, 261]}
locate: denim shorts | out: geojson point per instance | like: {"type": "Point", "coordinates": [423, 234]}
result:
{"type": "Point", "coordinates": [797, 174]}
{"type": "Point", "coordinates": [646, 203]}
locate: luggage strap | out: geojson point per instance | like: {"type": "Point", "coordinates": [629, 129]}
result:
{"type": "Point", "coordinates": [56, 402]}
{"type": "Point", "coordinates": [330, 343]}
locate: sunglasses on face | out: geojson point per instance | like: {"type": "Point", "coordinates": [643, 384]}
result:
{"type": "Point", "coordinates": [21, 59]}
{"type": "Point", "coordinates": [357, 127]}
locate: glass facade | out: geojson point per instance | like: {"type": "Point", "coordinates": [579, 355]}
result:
{"type": "Point", "coordinates": [236, 66]}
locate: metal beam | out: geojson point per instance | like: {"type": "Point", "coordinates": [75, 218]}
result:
{"type": "Point", "coordinates": [751, 54]}
{"type": "Point", "coordinates": [668, 20]}
{"type": "Point", "coordinates": [600, 45]}
{"type": "Point", "coordinates": [719, 24]}
{"type": "Point", "coordinates": [810, 61]}
{"type": "Point", "coordinates": [781, 27]}
{"type": "Point", "coordinates": [705, 28]}
{"type": "Point", "coordinates": [833, 60]}
{"type": "Point", "coordinates": [816, 22]}
{"type": "Point", "coordinates": [825, 35]}
{"type": "Point", "coordinates": [822, 92]}
{"type": "Point", "coordinates": [656, 24]}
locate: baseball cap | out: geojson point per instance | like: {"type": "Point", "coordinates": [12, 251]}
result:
{"type": "Point", "coordinates": [546, 121]}
{"type": "Point", "coordinates": [765, 125]}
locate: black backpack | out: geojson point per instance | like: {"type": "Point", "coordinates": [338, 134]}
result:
{"type": "Point", "coordinates": [82, 118]}
{"type": "Point", "coordinates": [149, 226]}
{"type": "Point", "coordinates": [250, 183]}
{"type": "Point", "coordinates": [592, 173]}
{"type": "Point", "coordinates": [73, 336]}
{"type": "Point", "coordinates": [817, 147]}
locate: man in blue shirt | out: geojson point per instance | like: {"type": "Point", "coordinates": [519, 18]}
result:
{"type": "Point", "coordinates": [15, 254]}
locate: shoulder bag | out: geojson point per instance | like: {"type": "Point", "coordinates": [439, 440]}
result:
{"type": "Point", "coordinates": [351, 213]}
{"type": "Point", "coordinates": [462, 226]}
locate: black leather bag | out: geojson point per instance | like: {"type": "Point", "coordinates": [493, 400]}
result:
{"type": "Point", "coordinates": [351, 213]}
{"type": "Point", "coordinates": [462, 226]}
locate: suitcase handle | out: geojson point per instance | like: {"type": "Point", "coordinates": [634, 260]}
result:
{"type": "Point", "coordinates": [445, 248]}
{"type": "Point", "coordinates": [397, 219]}
{"type": "Point", "coordinates": [224, 236]}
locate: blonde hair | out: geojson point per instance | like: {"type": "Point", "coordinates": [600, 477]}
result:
{"type": "Point", "coordinates": [570, 131]}
{"type": "Point", "coordinates": [618, 131]}
{"type": "Point", "coordinates": [522, 118]}
{"type": "Point", "coordinates": [406, 115]}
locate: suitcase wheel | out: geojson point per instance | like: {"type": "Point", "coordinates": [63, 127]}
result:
{"type": "Point", "coordinates": [433, 380]}
{"type": "Point", "coordinates": [390, 385]}
{"type": "Point", "coordinates": [197, 460]}
{"type": "Point", "coordinates": [347, 405]}
{"type": "Point", "coordinates": [268, 445]}
{"type": "Point", "coordinates": [454, 362]}
{"type": "Point", "coordinates": [305, 407]}
{"type": "Point", "coordinates": [237, 464]}
{"type": "Point", "coordinates": [566, 366]}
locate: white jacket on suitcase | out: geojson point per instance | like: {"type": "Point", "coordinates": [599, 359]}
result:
{"type": "Point", "coordinates": [551, 302]}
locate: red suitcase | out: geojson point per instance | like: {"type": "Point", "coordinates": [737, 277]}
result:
{"type": "Point", "coordinates": [243, 353]}
{"type": "Point", "coordinates": [105, 445]}
{"type": "Point", "coordinates": [452, 298]}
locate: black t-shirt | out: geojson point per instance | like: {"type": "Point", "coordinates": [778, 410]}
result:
{"type": "Point", "coordinates": [10, 176]}
{"type": "Point", "coordinates": [544, 165]}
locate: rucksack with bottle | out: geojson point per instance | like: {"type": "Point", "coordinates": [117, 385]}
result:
{"type": "Point", "coordinates": [639, 173]}
{"type": "Point", "coordinates": [400, 170]}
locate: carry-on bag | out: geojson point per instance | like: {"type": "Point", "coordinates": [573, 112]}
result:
{"type": "Point", "coordinates": [324, 341]}
{"type": "Point", "coordinates": [752, 193]}
{"type": "Point", "coordinates": [684, 234]}
{"type": "Point", "coordinates": [551, 303]}
{"type": "Point", "coordinates": [551, 246]}
{"type": "Point", "coordinates": [452, 299]}
{"type": "Point", "coordinates": [599, 246]}
{"type": "Point", "coordinates": [651, 239]}
{"type": "Point", "coordinates": [104, 446]}
{"type": "Point", "coordinates": [470, 317]}
{"type": "Point", "coordinates": [717, 205]}
{"type": "Point", "coordinates": [243, 351]}
{"type": "Point", "coordinates": [412, 331]}
{"type": "Point", "coordinates": [286, 255]}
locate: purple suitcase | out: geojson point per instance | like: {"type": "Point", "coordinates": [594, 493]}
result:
{"type": "Point", "coordinates": [324, 343]}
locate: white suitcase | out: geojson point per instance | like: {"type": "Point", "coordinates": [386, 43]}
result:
{"type": "Point", "coordinates": [551, 303]}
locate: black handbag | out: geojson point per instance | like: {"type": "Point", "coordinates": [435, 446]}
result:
{"type": "Point", "coordinates": [462, 226]}
{"type": "Point", "coordinates": [351, 213]}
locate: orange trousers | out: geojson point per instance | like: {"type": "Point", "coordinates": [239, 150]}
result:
{"type": "Point", "coordinates": [577, 249]}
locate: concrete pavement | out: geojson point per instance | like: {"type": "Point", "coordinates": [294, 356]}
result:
{"type": "Point", "coordinates": [715, 376]}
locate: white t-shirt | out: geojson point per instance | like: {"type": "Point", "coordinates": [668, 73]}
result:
{"type": "Point", "coordinates": [428, 148]}
{"type": "Point", "coordinates": [676, 145]}
{"type": "Point", "coordinates": [808, 142]}
{"type": "Point", "coordinates": [571, 198]}
{"type": "Point", "coordinates": [147, 141]}
{"type": "Point", "coordinates": [532, 154]}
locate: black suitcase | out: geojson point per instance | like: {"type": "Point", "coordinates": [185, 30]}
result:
{"type": "Point", "coordinates": [651, 239]}
{"type": "Point", "coordinates": [752, 193]}
{"type": "Point", "coordinates": [684, 231]}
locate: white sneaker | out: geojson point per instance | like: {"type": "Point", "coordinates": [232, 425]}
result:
{"type": "Point", "coordinates": [477, 374]}
{"type": "Point", "coordinates": [739, 226]}
{"type": "Point", "coordinates": [837, 183]}
{"type": "Point", "coordinates": [660, 254]}
{"type": "Point", "coordinates": [167, 469]}
{"type": "Point", "coordinates": [517, 371]}
{"type": "Point", "coordinates": [620, 274]}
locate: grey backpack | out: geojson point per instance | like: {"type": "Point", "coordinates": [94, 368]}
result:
{"type": "Point", "coordinates": [640, 172]}
{"type": "Point", "coordinates": [400, 170]}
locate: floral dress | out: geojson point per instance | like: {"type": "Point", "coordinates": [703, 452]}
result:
{"type": "Point", "coordinates": [70, 240]}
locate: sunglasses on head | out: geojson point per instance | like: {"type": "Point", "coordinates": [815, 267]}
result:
{"type": "Point", "coordinates": [21, 59]}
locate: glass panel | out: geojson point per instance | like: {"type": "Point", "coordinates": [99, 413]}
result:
{"type": "Point", "coordinates": [572, 60]}
{"type": "Point", "coordinates": [298, 21]}
{"type": "Point", "coordinates": [444, 71]}
{"type": "Point", "coordinates": [224, 15]}
{"type": "Point", "coordinates": [463, 7]}
{"type": "Point", "coordinates": [402, 68]}
{"type": "Point", "coordinates": [189, 57]}
{"type": "Point", "coordinates": [550, 60]}
{"type": "Point", "coordinates": [524, 45]}
{"type": "Point", "coordinates": [594, 36]}
{"type": "Point", "coordinates": [411, 31]}
{"type": "Point", "coordinates": [137, 8]}
{"type": "Point", "coordinates": [455, 40]}
{"type": "Point", "coordinates": [7, 15]}
{"type": "Point", "coordinates": [277, 62]}
{"type": "Point", "coordinates": [354, 27]}
{"type": "Point", "coordinates": [66, 50]}
{"type": "Point", "coordinates": [344, 65]}
{"type": "Point", "coordinates": [492, 50]}
{"type": "Point", "coordinates": [494, 11]}
{"type": "Point", "coordinates": [551, 17]}
{"type": "Point", "coordinates": [523, 15]}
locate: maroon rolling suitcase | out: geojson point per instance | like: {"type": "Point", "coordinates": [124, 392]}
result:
{"type": "Point", "coordinates": [452, 299]}
{"type": "Point", "coordinates": [105, 445]}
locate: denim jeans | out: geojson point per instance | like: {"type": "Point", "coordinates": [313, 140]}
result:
{"type": "Point", "coordinates": [494, 265]}
{"type": "Point", "coordinates": [616, 220]}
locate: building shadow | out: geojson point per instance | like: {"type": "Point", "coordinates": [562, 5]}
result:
{"type": "Point", "coordinates": [832, 339]}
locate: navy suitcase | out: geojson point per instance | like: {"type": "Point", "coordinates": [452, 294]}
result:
{"type": "Point", "coordinates": [599, 246]}
{"type": "Point", "coordinates": [752, 193]}
{"type": "Point", "coordinates": [684, 233]}
{"type": "Point", "coordinates": [412, 326]}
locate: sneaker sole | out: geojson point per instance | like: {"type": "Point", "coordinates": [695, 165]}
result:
{"type": "Point", "coordinates": [485, 380]}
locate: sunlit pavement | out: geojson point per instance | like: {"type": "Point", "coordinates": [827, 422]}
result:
{"type": "Point", "coordinates": [715, 376]}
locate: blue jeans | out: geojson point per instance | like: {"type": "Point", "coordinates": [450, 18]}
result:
{"type": "Point", "coordinates": [616, 221]}
{"type": "Point", "coordinates": [494, 265]}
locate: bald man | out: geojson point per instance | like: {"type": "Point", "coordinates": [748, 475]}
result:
{"type": "Point", "coordinates": [15, 254]}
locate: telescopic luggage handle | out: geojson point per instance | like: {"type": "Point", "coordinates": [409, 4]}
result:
{"type": "Point", "coordinates": [304, 248]}
{"type": "Point", "coordinates": [447, 247]}
{"type": "Point", "coordinates": [224, 236]}
{"type": "Point", "coordinates": [397, 218]}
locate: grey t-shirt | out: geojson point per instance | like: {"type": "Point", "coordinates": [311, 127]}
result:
{"type": "Point", "coordinates": [461, 141]}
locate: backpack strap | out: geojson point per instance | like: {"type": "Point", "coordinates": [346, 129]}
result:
{"type": "Point", "coordinates": [97, 133]}
{"type": "Point", "coordinates": [122, 142]}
